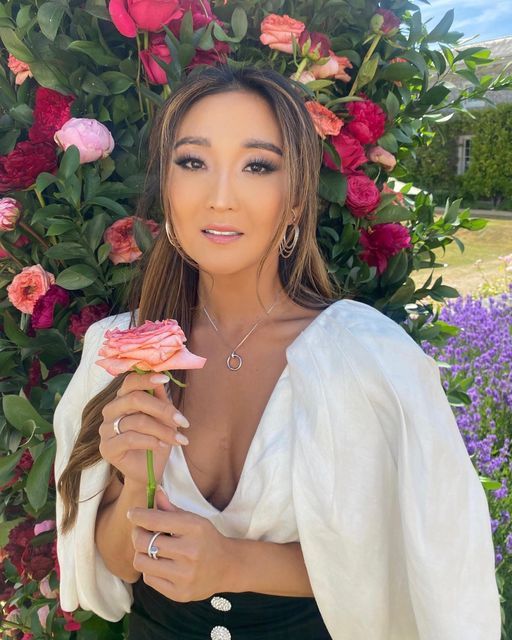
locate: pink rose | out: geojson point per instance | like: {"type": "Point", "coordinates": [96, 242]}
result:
{"type": "Point", "coordinates": [153, 346]}
{"type": "Point", "coordinates": [45, 525]}
{"type": "Point", "coordinates": [129, 16]}
{"type": "Point", "coordinates": [277, 31]}
{"type": "Point", "coordinates": [79, 323]}
{"type": "Point", "coordinates": [335, 67]}
{"type": "Point", "coordinates": [120, 236]}
{"type": "Point", "coordinates": [93, 139]}
{"type": "Point", "coordinates": [368, 123]}
{"type": "Point", "coordinates": [46, 590]}
{"type": "Point", "coordinates": [10, 210]}
{"type": "Point", "coordinates": [28, 286]}
{"type": "Point", "coordinates": [158, 49]}
{"type": "Point", "coordinates": [379, 155]}
{"type": "Point", "coordinates": [350, 151]}
{"type": "Point", "coordinates": [325, 121]}
{"type": "Point", "coordinates": [363, 197]}
{"type": "Point", "coordinates": [20, 69]}
{"type": "Point", "coordinates": [381, 242]}
{"type": "Point", "coordinates": [42, 313]}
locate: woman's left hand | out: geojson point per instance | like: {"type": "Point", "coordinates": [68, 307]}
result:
{"type": "Point", "coordinates": [192, 564]}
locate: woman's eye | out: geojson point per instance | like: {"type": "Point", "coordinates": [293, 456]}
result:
{"type": "Point", "coordinates": [262, 167]}
{"type": "Point", "coordinates": [259, 167]}
{"type": "Point", "coordinates": [184, 162]}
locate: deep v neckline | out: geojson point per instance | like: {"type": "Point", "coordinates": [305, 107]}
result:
{"type": "Point", "coordinates": [257, 433]}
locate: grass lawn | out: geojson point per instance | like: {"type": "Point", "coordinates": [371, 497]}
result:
{"type": "Point", "coordinates": [486, 245]}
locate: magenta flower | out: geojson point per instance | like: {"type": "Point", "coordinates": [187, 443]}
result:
{"type": "Point", "coordinates": [42, 315]}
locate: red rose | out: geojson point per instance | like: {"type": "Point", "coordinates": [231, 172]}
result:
{"type": "Point", "coordinates": [369, 121]}
{"type": "Point", "coordinates": [42, 315]}
{"type": "Point", "coordinates": [19, 538]}
{"type": "Point", "coordinates": [211, 57]}
{"type": "Point", "coordinates": [381, 242]}
{"type": "Point", "coordinates": [157, 49]}
{"type": "Point", "coordinates": [20, 168]}
{"type": "Point", "coordinates": [314, 45]}
{"type": "Point", "coordinates": [363, 196]}
{"type": "Point", "coordinates": [385, 22]}
{"type": "Point", "coordinates": [79, 323]}
{"type": "Point", "coordinates": [51, 111]}
{"type": "Point", "coordinates": [350, 151]}
{"type": "Point", "coordinates": [37, 561]}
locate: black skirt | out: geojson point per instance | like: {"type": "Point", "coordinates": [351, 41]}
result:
{"type": "Point", "coordinates": [224, 616]}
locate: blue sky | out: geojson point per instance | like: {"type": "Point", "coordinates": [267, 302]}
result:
{"type": "Point", "coordinates": [486, 18]}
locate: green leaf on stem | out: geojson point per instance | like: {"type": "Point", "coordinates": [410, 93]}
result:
{"type": "Point", "coordinates": [23, 417]}
{"type": "Point", "coordinates": [36, 486]}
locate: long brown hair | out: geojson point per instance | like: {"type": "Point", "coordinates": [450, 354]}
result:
{"type": "Point", "coordinates": [303, 275]}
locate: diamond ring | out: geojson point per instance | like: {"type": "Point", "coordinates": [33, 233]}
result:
{"type": "Point", "coordinates": [152, 548]}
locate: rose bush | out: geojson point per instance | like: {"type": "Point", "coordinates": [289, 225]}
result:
{"type": "Point", "coordinates": [369, 73]}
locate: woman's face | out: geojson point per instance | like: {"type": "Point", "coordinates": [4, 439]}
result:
{"type": "Point", "coordinates": [222, 180]}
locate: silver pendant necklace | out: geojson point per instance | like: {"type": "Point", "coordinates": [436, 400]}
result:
{"type": "Point", "coordinates": [234, 360]}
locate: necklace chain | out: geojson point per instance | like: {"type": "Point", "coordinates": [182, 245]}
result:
{"type": "Point", "coordinates": [234, 355]}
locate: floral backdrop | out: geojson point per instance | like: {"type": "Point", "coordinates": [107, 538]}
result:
{"type": "Point", "coordinates": [80, 83]}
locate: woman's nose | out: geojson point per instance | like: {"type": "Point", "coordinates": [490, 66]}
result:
{"type": "Point", "coordinates": [222, 191]}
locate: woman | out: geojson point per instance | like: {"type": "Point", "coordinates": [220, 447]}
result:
{"type": "Point", "coordinates": [322, 489]}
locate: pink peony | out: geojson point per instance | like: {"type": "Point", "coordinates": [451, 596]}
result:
{"type": "Point", "coordinates": [350, 151]}
{"type": "Point", "coordinates": [277, 31]}
{"type": "Point", "coordinates": [325, 121]}
{"type": "Point", "coordinates": [42, 614]}
{"type": "Point", "coordinates": [153, 346]}
{"type": "Point", "coordinates": [363, 196]}
{"type": "Point", "coordinates": [10, 210]}
{"type": "Point", "coordinates": [129, 16]}
{"type": "Point", "coordinates": [381, 242]}
{"type": "Point", "coordinates": [93, 139]}
{"type": "Point", "coordinates": [28, 286]}
{"type": "Point", "coordinates": [42, 314]}
{"type": "Point", "coordinates": [368, 123]}
{"type": "Point", "coordinates": [79, 323]}
{"type": "Point", "coordinates": [379, 155]}
{"type": "Point", "coordinates": [120, 236]}
{"type": "Point", "coordinates": [20, 69]}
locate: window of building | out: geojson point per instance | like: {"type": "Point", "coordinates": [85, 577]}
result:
{"type": "Point", "coordinates": [464, 154]}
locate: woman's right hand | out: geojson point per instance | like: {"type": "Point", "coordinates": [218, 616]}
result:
{"type": "Point", "coordinates": [148, 422]}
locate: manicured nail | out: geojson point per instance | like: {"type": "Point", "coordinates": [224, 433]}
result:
{"type": "Point", "coordinates": [181, 421]}
{"type": "Point", "coordinates": [181, 438]}
{"type": "Point", "coordinates": [159, 378]}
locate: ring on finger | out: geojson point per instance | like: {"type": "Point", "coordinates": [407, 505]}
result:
{"type": "Point", "coordinates": [117, 430]}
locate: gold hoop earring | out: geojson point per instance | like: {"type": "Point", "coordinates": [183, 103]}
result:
{"type": "Point", "coordinates": [169, 234]}
{"type": "Point", "coordinates": [288, 244]}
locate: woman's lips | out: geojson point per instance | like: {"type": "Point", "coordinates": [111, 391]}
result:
{"type": "Point", "coordinates": [221, 239]}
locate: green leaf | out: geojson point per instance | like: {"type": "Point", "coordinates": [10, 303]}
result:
{"type": "Point", "coordinates": [44, 180]}
{"type": "Point", "coordinates": [67, 250]}
{"type": "Point", "coordinates": [452, 211]}
{"type": "Point", "coordinates": [116, 82]}
{"type": "Point", "coordinates": [23, 417]}
{"type": "Point", "coordinates": [93, 230]}
{"type": "Point", "coordinates": [8, 140]}
{"type": "Point", "coordinates": [49, 17]}
{"type": "Point", "coordinates": [14, 333]}
{"type": "Point", "coordinates": [398, 71]}
{"type": "Point", "coordinates": [333, 186]}
{"type": "Point", "coordinates": [94, 85]}
{"type": "Point", "coordinates": [14, 45]}
{"type": "Point", "coordinates": [489, 484]}
{"type": "Point", "coordinates": [7, 464]}
{"type": "Point", "coordinates": [107, 203]}
{"type": "Point", "coordinates": [103, 252]}
{"type": "Point", "coordinates": [94, 51]}
{"type": "Point", "coordinates": [186, 28]}
{"type": "Point", "coordinates": [36, 486]}
{"type": "Point", "coordinates": [442, 28]}
{"type": "Point", "coordinates": [435, 95]}
{"type": "Point", "coordinates": [59, 227]}
{"type": "Point", "coordinates": [69, 163]}
{"type": "Point", "coordinates": [121, 274]}
{"type": "Point", "coordinates": [239, 22]}
{"type": "Point", "coordinates": [388, 142]}
{"type": "Point", "coordinates": [22, 113]}
{"type": "Point", "coordinates": [49, 76]}
{"type": "Point", "coordinates": [392, 106]}
{"type": "Point", "coordinates": [79, 276]}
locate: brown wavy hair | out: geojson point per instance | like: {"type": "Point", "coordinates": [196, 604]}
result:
{"type": "Point", "coordinates": [303, 275]}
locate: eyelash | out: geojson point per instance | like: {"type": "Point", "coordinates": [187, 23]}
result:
{"type": "Point", "coordinates": [266, 164]}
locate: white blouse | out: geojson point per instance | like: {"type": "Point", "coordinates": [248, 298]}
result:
{"type": "Point", "coordinates": [358, 457]}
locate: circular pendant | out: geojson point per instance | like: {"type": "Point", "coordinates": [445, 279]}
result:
{"type": "Point", "coordinates": [234, 356]}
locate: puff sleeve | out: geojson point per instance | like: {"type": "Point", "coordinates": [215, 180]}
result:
{"type": "Point", "coordinates": [84, 579]}
{"type": "Point", "coordinates": [393, 521]}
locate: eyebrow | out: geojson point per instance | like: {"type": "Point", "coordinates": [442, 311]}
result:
{"type": "Point", "coordinates": [252, 143]}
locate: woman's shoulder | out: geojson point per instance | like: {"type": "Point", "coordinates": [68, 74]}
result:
{"type": "Point", "coordinates": [359, 332]}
